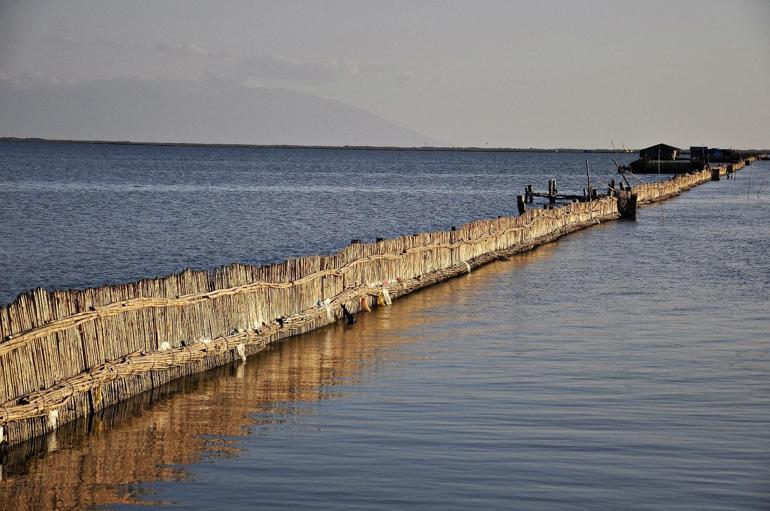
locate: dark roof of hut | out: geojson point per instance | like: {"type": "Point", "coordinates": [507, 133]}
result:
{"type": "Point", "coordinates": [663, 147]}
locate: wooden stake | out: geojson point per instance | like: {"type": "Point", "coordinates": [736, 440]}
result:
{"type": "Point", "coordinates": [520, 204]}
{"type": "Point", "coordinates": [588, 179]}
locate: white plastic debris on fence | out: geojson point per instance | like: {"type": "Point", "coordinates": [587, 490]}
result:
{"type": "Point", "coordinates": [326, 304]}
{"type": "Point", "coordinates": [53, 419]}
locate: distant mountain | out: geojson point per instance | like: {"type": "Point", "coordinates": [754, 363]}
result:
{"type": "Point", "coordinates": [172, 111]}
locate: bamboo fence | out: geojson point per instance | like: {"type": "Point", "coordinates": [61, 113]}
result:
{"type": "Point", "coordinates": [67, 354]}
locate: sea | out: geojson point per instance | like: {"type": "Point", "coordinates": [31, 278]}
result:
{"type": "Point", "coordinates": [625, 366]}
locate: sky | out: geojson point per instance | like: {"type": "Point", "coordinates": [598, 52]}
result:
{"type": "Point", "coordinates": [546, 73]}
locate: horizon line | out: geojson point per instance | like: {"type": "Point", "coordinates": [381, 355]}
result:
{"type": "Point", "coordinates": [312, 146]}
{"type": "Point", "coordinates": [335, 147]}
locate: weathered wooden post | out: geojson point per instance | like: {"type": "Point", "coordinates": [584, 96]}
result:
{"type": "Point", "coordinates": [588, 177]}
{"type": "Point", "coordinates": [627, 204]}
{"type": "Point", "coordinates": [552, 191]}
{"type": "Point", "coordinates": [611, 188]}
{"type": "Point", "coordinates": [520, 204]}
{"type": "Point", "coordinates": [715, 173]}
{"type": "Point", "coordinates": [529, 196]}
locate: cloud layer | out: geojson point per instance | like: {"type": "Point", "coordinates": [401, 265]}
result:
{"type": "Point", "coordinates": [185, 49]}
{"type": "Point", "coordinates": [287, 69]}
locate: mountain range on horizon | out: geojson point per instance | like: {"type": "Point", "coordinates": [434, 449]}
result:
{"type": "Point", "coordinates": [191, 112]}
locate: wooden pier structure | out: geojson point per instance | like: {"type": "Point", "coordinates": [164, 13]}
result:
{"type": "Point", "coordinates": [72, 353]}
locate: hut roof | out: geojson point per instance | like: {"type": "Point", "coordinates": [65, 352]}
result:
{"type": "Point", "coordinates": [662, 147]}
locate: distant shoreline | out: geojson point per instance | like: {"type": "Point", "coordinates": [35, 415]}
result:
{"type": "Point", "coordinates": [33, 140]}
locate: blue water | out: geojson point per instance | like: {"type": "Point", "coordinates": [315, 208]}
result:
{"type": "Point", "coordinates": [80, 215]}
{"type": "Point", "coordinates": [622, 367]}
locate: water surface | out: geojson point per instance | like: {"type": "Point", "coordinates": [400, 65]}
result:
{"type": "Point", "coordinates": [79, 215]}
{"type": "Point", "coordinates": [622, 367]}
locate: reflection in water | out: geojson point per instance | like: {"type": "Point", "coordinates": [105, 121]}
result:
{"type": "Point", "coordinates": [98, 460]}
{"type": "Point", "coordinates": [622, 367]}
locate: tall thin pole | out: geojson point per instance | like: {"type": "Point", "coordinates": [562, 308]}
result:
{"type": "Point", "coordinates": [660, 203]}
{"type": "Point", "coordinates": [748, 187]}
{"type": "Point", "coordinates": [588, 178]}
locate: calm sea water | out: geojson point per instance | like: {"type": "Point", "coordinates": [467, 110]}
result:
{"type": "Point", "coordinates": [82, 215]}
{"type": "Point", "coordinates": [622, 367]}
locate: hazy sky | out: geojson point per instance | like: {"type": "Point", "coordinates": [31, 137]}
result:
{"type": "Point", "coordinates": [499, 73]}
